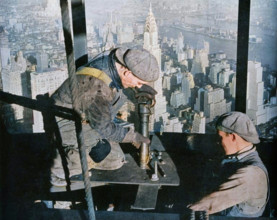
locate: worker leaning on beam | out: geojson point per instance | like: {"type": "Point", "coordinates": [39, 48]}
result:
{"type": "Point", "coordinates": [100, 95]}
{"type": "Point", "coordinates": [242, 189]}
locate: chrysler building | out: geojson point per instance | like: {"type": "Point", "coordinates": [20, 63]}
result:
{"type": "Point", "coordinates": [159, 116]}
{"type": "Point", "coordinates": [151, 36]}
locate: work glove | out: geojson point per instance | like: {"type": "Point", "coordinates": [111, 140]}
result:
{"type": "Point", "coordinates": [135, 138]}
{"type": "Point", "coordinates": [145, 91]}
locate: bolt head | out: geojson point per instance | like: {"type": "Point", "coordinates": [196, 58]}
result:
{"type": "Point", "coordinates": [154, 177]}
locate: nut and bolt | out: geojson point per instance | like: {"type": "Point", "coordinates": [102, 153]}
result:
{"type": "Point", "coordinates": [155, 175]}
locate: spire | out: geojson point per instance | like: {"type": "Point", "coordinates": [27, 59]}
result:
{"type": "Point", "coordinates": [150, 24]}
{"type": "Point", "coordinates": [109, 40]}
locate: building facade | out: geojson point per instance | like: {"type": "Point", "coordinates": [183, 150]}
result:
{"type": "Point", "coordinates": [41, 83]}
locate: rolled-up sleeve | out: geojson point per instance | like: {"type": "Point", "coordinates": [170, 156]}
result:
{"type": "Point", "coordinates": [247, 184]}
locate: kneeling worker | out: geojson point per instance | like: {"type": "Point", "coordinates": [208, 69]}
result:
{"type": "Point", "coordinates": [100, 95]}
{"type": "Point", "coordinates": [243, 188]}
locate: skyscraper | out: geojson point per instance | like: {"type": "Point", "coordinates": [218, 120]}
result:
{"type": "Point", "coordinates": [214, 71]}
{"type": "Point", "coordinates": [186, 86]}
{"type": "Point", "coordinates": [177, 99]}
{"type": "Point", "coordinates": [200, 62]}
{"type": "Point", "coordinates": [180, 43]}
{"type": "Point", "coordinates": [108, 41]}
{"type": "Point", "coordinates": [42, 62]}
{"type": "Point", "coordinates": [173, 125]}
{"type": "Point", "coordinates": [181, 54]}
{"type": "Point", "coordinates": [4, 49]}
{"type": "Point", "coordinates": [151, 36]}
{"type": "Point", "coordinates": [255, 90]}
{"type": "Point", "coordinates": [232, 86]}
{"type": "Point", "coordinates": [42, 83]}
{"type": "Point", "coordinates": [259, 112]}
{"type": "Point", "coordinates": [224, 77]}
{"type": "Point", "coordinates": [151, 44]}
{"type": "Point", "coordinates": [13, 78]}
{"type": "Point", "coordinates": [198, 123]}
{"type": "Point", "coordinates": [211, 102]}
{"type": "Point", "coordinates": [217, 67]}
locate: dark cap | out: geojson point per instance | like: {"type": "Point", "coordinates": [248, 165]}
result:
{"type": "Point", "coordinates": [239, 123]}
{"type": "Point", "coordinates": [140, 61]}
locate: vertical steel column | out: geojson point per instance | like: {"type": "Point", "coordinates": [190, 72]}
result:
{"type": "Point", "coordinates": [79, 32]}
{"type": "Point", "coordinates": [144, 112]}
{"type": "Point", "coordinates": [73, 84]}
{"type": "Point", "coordinates": [242, 55]}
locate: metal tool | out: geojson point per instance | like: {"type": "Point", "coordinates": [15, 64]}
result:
{"type": "Point", "coordinates": [155, 176]}
{"type": "Point", "coordinates": [144, 112]}
{"type": "Point", "coordinates": [156, 157]}
{"type": "Point", "coordinates": [159, 157]}
{"type": "Point", "coordinates": [161, 171]}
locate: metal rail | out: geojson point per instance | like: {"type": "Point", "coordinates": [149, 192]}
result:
{"type": "Point", "coordinates": [39, 105]}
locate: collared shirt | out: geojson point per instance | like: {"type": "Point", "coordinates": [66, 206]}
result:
{"type": "Point", "coordinates": [106, 62]}
{"type": "Point", "coordinates": [246, 188]}
{"type": "Point", "coordinates": [239, 155]}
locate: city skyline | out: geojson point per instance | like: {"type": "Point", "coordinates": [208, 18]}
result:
{"type": "Point", "coordinates": [198, 59]}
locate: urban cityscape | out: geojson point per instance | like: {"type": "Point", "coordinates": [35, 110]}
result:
{"type": "Point", "coordinates": [194, 43]}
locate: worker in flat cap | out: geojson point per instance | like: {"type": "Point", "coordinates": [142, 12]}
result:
{"type": "Point", "coordinates": [242, 189]}
{"type": "Point", "coordinates": [100, 95]}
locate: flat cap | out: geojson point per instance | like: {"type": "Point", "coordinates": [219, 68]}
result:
{"type": "Point", "coordinates": [239, 123]}
{"type": "Point", "coordinates": [140, 61]}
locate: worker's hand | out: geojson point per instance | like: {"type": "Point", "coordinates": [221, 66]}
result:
{"type": "Point", "coordinates": [146, 91]}
{"type": "Point", "coordinates": [135, 138]}
{"type": "Point", "coordinates": [198, 207]}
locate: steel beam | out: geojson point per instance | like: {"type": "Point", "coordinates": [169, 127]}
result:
{"type": "Point", "coordinates": [242, 55]}
{"type": "Point", "coordinates": [79, 32]}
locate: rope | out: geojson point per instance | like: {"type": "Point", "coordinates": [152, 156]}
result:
{"type": "Point", "coordinates": [74, 91]}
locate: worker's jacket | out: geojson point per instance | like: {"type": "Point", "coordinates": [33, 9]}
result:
{"type": "Point", "coordinates": [97, 102]}
{"type": "Point", "coordinates": [243, 187]}
{"type": "Point", "coordinates": [253, 189]}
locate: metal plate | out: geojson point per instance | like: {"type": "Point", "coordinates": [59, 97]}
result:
{"type": "Point", "coordinates": [146, 198]}
{"type": "Point", "coordinates": [131, 173]}
{"type": "Point", "coordinates": [75, 185]}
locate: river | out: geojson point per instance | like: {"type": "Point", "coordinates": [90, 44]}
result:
{"type": "Point", "coordinates": [265, 52]}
